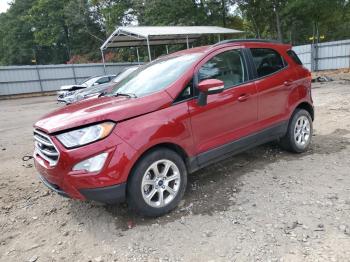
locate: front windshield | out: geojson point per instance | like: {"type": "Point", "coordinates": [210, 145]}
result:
{"type": "Point", "coordinates": [124, 74]}
{"type": "Point", "coordinates": [155, 76]}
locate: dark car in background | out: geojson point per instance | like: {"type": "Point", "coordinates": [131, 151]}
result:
{"type": "Point", "coordinates": [97, 89]}
{"type": "Point", "coordinates": [67, 90]}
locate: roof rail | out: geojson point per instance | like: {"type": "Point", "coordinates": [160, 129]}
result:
{"type": "Point", "coordinates": [247, 40]}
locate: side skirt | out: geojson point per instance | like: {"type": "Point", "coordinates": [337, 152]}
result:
{"type": "Point", "coordinates": [216, 154]}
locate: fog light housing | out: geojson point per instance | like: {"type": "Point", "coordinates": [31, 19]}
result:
{"type": "Point", "coordinates": [92, 164]}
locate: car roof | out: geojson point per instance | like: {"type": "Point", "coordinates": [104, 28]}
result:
{"type": "Point", "coordinates": [234, 42]}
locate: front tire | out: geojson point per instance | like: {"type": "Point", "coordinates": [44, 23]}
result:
{"type": "Point", "coordinates": [157, 183]}
{"type": "Point", "coordinates": [299, 133]}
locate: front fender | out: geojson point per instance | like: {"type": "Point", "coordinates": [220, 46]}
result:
{"type": "Point", "coordinates": [170, 125]}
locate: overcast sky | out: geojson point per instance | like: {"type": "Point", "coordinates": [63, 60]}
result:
{"type": "Point", "coordinates": [4, 5]}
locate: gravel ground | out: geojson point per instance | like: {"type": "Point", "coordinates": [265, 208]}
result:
{"type": "Point", "coordinates": [262, 205]}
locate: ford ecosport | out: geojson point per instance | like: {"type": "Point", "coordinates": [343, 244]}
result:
{"type": "Point", "coordinates": [171, 117]}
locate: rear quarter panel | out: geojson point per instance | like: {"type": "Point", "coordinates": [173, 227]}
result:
{"type": "Point", "coordinates": [302, 91]}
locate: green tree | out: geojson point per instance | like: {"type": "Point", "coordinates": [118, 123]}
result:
{"type": "Point", "coordinates": [296, 21]}
{"type": "Point", "coordinates": [113, 13]}
{"type": "Point", "coordinates": [65, 25]}
{"type": "Point", "coordinates": [17, 42]}
{"type": "Point", "coordinates": [318, 17]}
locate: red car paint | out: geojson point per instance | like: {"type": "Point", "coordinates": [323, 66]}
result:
{"type": "Point", "coordinates": [143, 123]}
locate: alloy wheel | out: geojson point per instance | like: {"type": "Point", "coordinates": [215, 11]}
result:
{"type": "Point", "coordinates": [302, 131]}
{"type": "Point", "coordinates": [160, 183]}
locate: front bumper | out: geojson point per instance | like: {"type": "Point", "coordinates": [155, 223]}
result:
{"type": "Point", "coordinates": [107, 185]}
{"type": "Point", "coordinates": [62, 101]}
{"type": "Point", "coordinates": [53, 187]}
{"type": "Point", "coordinates": [109, 195]}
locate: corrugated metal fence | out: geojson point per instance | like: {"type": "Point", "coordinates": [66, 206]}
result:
{"type": "Point", "coordinates": [325, 56]}
{"type": "Point", "coordinates": [45, 78]}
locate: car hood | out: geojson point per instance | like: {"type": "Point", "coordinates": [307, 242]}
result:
{"type": "Point", "coordinates": [100, 109]}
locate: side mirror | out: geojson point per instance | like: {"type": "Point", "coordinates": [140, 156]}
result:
{"type": "Point", "coordinates": [209, 87]}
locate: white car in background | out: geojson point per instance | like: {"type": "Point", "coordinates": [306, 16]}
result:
{"type": "Point", "coordinates": [97, 90]}
{"type": "Point", "coordinates": [67, 90]}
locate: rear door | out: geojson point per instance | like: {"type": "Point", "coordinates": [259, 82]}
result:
{"type": "Point", "coordinates": [228, 115]}
{"type": "Point", "coordinates": [274, 80]}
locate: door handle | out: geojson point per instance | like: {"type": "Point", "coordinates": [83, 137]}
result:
{"type": "Point", "coordinates": [288, 83]}
{"type": "Point", "coordinates": [243, 97]}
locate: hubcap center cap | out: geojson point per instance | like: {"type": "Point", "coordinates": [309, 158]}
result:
{"type": "Point", "coordinates": [160, 182]}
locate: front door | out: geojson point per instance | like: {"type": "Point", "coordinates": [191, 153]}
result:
{"type": "Point", "coordinates": [229, 115]}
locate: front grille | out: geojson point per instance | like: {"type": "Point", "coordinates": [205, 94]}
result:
{"type": "Point", "coordinates": [45, 148]}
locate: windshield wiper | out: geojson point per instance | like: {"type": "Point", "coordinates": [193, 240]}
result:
{"type": "Point", "coordinates": [131, 95]}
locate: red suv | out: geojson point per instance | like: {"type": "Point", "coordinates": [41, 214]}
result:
{"type": "Point", "coordinates": [171, 117]}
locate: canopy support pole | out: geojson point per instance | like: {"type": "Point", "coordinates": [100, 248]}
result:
{"type": "Point", "coordinates": [167, 49]}
{"type": "Point", "coordinates": [103, 61]}
{"type": "Point", "coordinates": [188, 46]}
{"type": "Point", "coordinates": [219, 38]}
{"type": "Point", "coordinates": [149, 50]}
{"type": "Point", "coordinates": [138, 57]}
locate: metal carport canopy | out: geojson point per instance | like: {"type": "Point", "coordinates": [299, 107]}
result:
{"type": "Point", "coordinates": [135, 36]}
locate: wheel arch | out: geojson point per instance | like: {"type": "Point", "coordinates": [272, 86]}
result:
{"type": "Point", "coordinates": [169, 145]}
{"type": "Point", "coordinates": [308, 107]}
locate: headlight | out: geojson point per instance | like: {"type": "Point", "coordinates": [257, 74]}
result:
{"type": "Point", "coordinates": [85, 135]}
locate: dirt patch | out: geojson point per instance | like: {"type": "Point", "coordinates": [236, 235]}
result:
{"type": "Point", "coordinates": [262, 205]}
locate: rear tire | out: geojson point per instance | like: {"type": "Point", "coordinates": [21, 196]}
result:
{"type": "Point", "coordinates": [299, 133]}
{"type": "Point", "coordinates": [157, 183]}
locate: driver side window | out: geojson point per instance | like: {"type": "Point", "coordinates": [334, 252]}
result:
{"type": "Point", "coordinates": [228, 67]}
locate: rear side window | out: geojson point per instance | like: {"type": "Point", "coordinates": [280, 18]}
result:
{"type": "Point", "coordinates": [294, 56]}
{"type": "Point", "coordinates": [267, 61]}
{"type": "Point", "coordinates": [103, 80]}
{"type": "Point", "coordinates": [228, 67]}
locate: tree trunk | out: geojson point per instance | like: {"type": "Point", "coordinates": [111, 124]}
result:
{"type": "Point", "coordinates": [66, 33]}
{"type": "Point", "coordinates": [223, 3]}
{"type": "Point", "coordinates": [278, 26]}
{"type": "Point", "coordinates": [256, 28]}
{"type": "Point", "coordinates": [317, 33]}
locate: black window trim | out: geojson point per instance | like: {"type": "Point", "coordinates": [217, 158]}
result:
{"type": "Point", "coordinates": [255, 71]}
{"type": "Point", "coordinates": [248, 67]}
{"type": "Point", "coordinates": [299, 62]}
{"type": "Point", "coordinates": [176, 101]}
